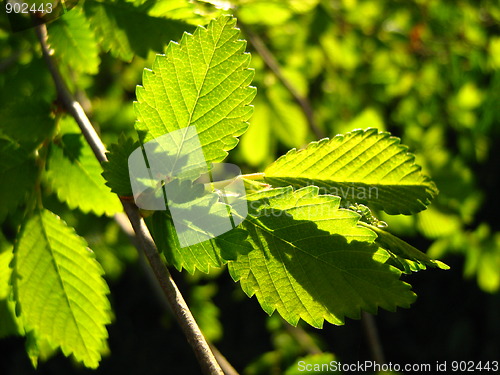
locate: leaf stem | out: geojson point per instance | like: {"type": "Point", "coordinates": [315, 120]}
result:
{"type": "Point", "coordinates": [253, 176]}
{"type": "Point", "coordinates": [176, 301]}
{"type": "Point", "coordinates": [273, 65]}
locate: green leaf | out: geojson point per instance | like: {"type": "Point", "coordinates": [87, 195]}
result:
{"type": "Point", "coordinates": [407, 258]}
{"type": "Point", "coordinates": [202, 82]}
{"type": "Point", "coordinates": [18, 176]}
{"type": "Point", "coordinates": [362, 166]}
{"type": "Point", "coordinates": [203, 255]}
{"type": "Point", "coordinates": [75, 174]}
{"type": "Point", "coordinates": [9, 323]}
{"type": "Point", "coordinates": [312, 261]}
{"type": "Point", "coordinates": [5, 271]}
{"type": "Point", "coordinates": [26, 127]}
{"type": "Point", "coordinates": [38, 349]}
{"type": "Point", "coordinates": [115, 169]}
{"type": "Point", "coordinates": [200, 256]}
{"type": "Point", "coordinates": [74, 43]}
{"type": "Point", "coordinates": [59, 288]}
{"type": "Point", "coordinates": [127, 30]}
{"type": "Point", "coordinates": [194, 13]}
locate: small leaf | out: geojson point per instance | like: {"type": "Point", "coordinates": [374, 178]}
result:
{"type": "Point", "coordinates": [202, 82]}
{"type": "Point", "coordinates": [312, 261]}
{"type": "Point", "coordinates": [361, 166]}
{"type": "Point", "coordinates": [406, 257]}
{"type": "Point", "coordinates": [75, 174]}
{"type": "Point", "coordinates": [74, 42]}
{"type": "Point", "coordinates": [5, 271]}
{"type": "Point", "coordinates": [59, 288]}
{"type": "Point", "coordinates": [116, 171]}
{"type": "Point", "coordinates": [9, 323]}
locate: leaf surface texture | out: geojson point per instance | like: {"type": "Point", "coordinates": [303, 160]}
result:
{"type": "Point", "coordinates": [362, 166]}
{"type": "Point", "coordinates": [59, 288]}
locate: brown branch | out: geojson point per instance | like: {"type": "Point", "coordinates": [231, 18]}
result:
{"type": "Point", "coordinates": [124, 224]}
{"type": "Point", "coordinates": [175, 299]}
{"type": "Point", "coordinates": [273, 65]}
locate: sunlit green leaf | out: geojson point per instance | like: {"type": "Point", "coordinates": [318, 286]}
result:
{"type": "Point", "coordinates": [202, 256]}
{"type": "Point", "coordinates": [406, 257]}
{"type": "Point", "coordinates": [75, 175]}
{"type": "Point", "coordinates": [9, 323]}
{"type": "Point", "coordinates": [362, 166]}
{"type": "Point", "coordinates": [311, 261]}
{"type": "Point", "coordinates": [201, 82]}
{"type": "Point", "coordinates": [59, 288]}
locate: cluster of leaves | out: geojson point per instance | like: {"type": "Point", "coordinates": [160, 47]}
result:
{"type": "Point", "coordinates": [310, 258]}
{"type": "Point", "coordinates": [426, 71]}
{"type": "Point", "coordinates": [302, 251]}
{"type": "Point", "coordinates": [52, 287]}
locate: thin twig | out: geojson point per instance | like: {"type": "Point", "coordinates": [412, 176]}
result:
{"type": "Point", "coordinates": [176, 301]}
{"type": "Point", "coordinates": [272, 64]}
{"type": "Point", "coordinates": [124, 224]}
{"type": "Point", "coordinates": [373, 337]}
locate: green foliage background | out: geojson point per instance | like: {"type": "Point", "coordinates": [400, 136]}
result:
{"type": "Point", "coordinates": [427, 71]}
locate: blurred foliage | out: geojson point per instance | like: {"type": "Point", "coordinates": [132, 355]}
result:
{"type": "Point", "coordinates": [427, 71]}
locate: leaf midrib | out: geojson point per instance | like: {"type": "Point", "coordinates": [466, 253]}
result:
{"type": "Point", "coordinates": [208, 67]}
{"type": "Point", "coordinates": [59, 278]}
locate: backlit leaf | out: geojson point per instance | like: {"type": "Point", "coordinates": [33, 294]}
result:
{"type": "Point", "coordinates": [204, 82]}
{"type": "Point", "coordinates": [362, 166]}
{"type": "Point", "coordinates": [59, 288]}
{"type": "Point", "coordinates": [311, 261]}
{"type": "Point", "coordinates": [75, 174]}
